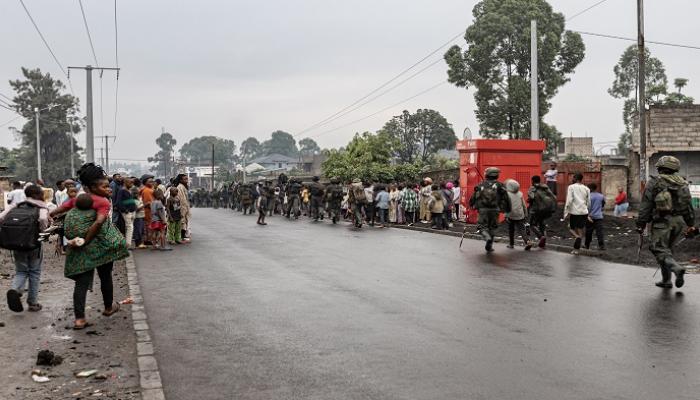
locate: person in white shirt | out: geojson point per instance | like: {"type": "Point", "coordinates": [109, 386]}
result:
{"type": "Point", "coordinates": [551, 177]}
{"type": "Point", "coordinates": [61, 194]}
{"type": "Point", "coordinates": [456, 197]}
{"type": "Point", "coordinates": [16, 196]}
{"type": "Point", "coordinates": [578, 202]}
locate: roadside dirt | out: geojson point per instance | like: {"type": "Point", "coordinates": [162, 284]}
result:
{"type": "Point", "coordinates": [621, 240]}
{"type": "Point", "coordinates": [108, 346]}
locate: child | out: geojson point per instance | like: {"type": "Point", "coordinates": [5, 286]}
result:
{"type": "Point", "coordinates": [72, 193]}
{"type": "Point", "coordinates": [436, 205]}
{"type": "Point", "coordinates": [83, 208]}
{"type": "Point", "coordinates": [174, 217]}
{"type": "Point", "coordinates": [262, 205]}
{"type": "Point", "coordinates": [139, 224]}
{"type": "Point", "coordinates": [158, 221]}
{"type": "Point", "coordinates": [517, 217]}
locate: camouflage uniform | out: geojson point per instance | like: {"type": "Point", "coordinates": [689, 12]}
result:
{"type": "Point", "coordinates": [293, 198]}
{"type": "Point", "coordinates": [489, 210]}
{"type": "Point", "coordinates": [666, 225]}
{"type": "Point", "coordinates": [334, 197]}
{"type": "Point", "coordinates": [317, 191]}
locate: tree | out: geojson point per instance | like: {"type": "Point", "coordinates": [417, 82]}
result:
{"type": "Point", "coordinates": [199, 150]}
{"type": "Point", "coordinates": [419, 135]}
{"type": "Point", "coordinates": [58, 121]}
{"type": "Point", "coordinates": [496, 62]}
{"type": "Point", "coordinates": [308, 146]}
{"type": "Point", "coordinates": [162, 158]}
{"type": "Point", "coordinates": [280, 142]}
{"type": "Point", "coordinates": [678, 97]}
{"type": "Point", "coordinates": [625, 86]}
{"type": "Point", "coordinates": [251, 148]}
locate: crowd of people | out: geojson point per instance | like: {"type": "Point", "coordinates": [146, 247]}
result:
{"type": "Point", "coordinates": [97, 220]}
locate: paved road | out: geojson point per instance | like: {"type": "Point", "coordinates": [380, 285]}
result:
{"type": "Point", "coordinates": [298, 310]}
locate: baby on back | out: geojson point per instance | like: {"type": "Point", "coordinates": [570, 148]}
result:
{"type": "Point", "coordinates": [83, 212]}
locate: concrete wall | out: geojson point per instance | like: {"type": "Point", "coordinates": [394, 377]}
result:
{"type": "Point", "coordinates": [579, 146]}
{"type": "Point", "coordinates": [613, 176]}
{"type": "Point", "coordinates": [442, 175]}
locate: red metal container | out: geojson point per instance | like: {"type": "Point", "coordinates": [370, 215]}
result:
{"type": "Point", "coordinates": [517, 159]}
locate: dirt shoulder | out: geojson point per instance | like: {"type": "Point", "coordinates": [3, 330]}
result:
{"type": "Point", "coordinates": [109, 346]}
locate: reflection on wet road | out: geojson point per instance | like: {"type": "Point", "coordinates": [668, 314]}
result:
{"type": "Point", "coordinates": [298, 310]}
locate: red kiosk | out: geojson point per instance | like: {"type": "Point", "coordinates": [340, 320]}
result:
{"type": "Point", "coordinates": [517, 159]}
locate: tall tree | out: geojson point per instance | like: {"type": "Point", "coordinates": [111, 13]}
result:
{"type": "Point", "coordinates": [625, 86]}
{"type": "Point", "coordinates": [163, 158]}
{"type": "Point", "coordinates": [496, 62]}
{"type": "Point", "coordinates": [678, 97]}
{"type": "Point", "coordinates": [419, 136]}
{"type": "Point", "coordinates": [308, 146]}
{"type": "Point", "coordinates": [251, 148]}
{"type": "Point", "coordinates": [58, 121]}
{"type": "Point", "coordinates": [199, 150]}
{"type": "Point", "coordinates": [280, 142]}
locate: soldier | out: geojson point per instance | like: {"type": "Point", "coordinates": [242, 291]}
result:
{"type": "Point", "coordinates": [667, 206]}
{"type": "Point", "coordinates": [247, 198]}
{"type": "Point", "coordinates": [334, 197]}
{"type": "Point", "coordinates": [358, 200]}
{"type": "Point", "coordinates": [293, 198]}
{"type": "Point", "coordinates": [490, 199]}
{"type": "Point", "coordinates": [317, 191]}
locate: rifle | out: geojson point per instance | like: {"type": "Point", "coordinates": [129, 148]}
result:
{"type": "Point", "coordinates": [639, 249]}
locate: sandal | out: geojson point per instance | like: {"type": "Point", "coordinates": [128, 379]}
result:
{"type": "Point", "coordinates": [78, 327]}
{"type": "Point", "coordinates": [111, 311]}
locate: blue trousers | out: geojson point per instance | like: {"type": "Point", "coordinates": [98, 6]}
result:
{"type": "Point", "coordinates": [28, 268]}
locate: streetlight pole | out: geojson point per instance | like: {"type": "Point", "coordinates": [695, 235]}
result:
{"type": "Point", "coordinates": [38, 144]}
{"type": "Point", "coordinates": [641, 82]}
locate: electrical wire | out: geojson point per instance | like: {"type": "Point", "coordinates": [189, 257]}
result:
{"type": "Point", "coordinates": [685, 46]}
{"type": "Point", "coordinates": [7, 108]}
{"type": "Point", "coordinates": [11, 121]}
{"type": "Point", "coordinates": [382, 110]}
{"type": "Point", "coordinates": [586, 10]}
{"type": "Point", "coordinates": [87, 29]}
{"type": "Point", "coordinates": [382, 86]}
{"type": "Point", "coordinates": [60, 66]}
{"type": "Point", "coordinates": [2, 95]}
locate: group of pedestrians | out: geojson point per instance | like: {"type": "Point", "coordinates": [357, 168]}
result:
{"type": "Point", "coordinates": [98, 220]}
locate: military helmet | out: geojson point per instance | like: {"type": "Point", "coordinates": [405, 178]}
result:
{"type": "Point", "coordinates": [492, 172]}
{"type": "Point", "coordinates": [315, 179]}
{"type": "Point", "coordinates": [669, 162]}
{"type": "Point", "coordinates": [357, 180]}
{"type": "Point", "coordinates": [335, 180]}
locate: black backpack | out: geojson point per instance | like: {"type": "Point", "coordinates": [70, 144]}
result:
{"type": "Point", "coordinates": [20, 229]}
{"type": "Point", "coordinates": [544, 202]}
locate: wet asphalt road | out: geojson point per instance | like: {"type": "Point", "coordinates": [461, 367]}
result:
{"type": "Point", "coordinates": [298, 310]}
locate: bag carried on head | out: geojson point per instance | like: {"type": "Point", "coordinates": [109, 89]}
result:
{"type": "Point", "coordinates": [20, 229]}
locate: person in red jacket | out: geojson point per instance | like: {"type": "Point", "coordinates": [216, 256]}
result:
{"type": "Point", "coordinates": [621, 203]}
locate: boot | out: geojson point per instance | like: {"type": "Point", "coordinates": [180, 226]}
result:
{"type": "Point", "coordinates": [665, 282]}
{"type": "Point", "coordinates": [676, 269]}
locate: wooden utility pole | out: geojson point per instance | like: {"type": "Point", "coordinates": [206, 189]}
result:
{"type": "Point", "coordinates": [212, 166]}
{"type": "Point", "coordinates": [641, 81]}
{"type": "Point", "coordinates": [534, 93]}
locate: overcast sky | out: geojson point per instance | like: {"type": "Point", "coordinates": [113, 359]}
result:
{"type": "Point", "coordinates": [246, 68]}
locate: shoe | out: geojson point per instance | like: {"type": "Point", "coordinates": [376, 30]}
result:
{"type": "Point", "coordinates": [679, 278]}
{"type": "Point", "coordinates": [577, 243]}
{"type": "Point", "coordinates": [510, 246]}
{"type": "Point", "coordinates": [664, 285]}
{"type": "Point", "coordinates": [575, 252]}
{"type": "Point", "coordinates": [13, 300]}
{"type": "Point", "coordinates": [489, 246]}
{"type": "Point", "coordinates": [34, 307]}
{"type": "Point", "coordinates": [542, 243]}
{"type": "Point", "coordinates": [411, 224]}
{"type": "Point", "coordinates": [142, 246]}
{"type": "Point", "coordinates": [451, 225]}
{"type": "Point", "coordinates": [528, 246]}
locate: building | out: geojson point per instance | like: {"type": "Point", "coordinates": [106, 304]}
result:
{"type": "Point", "coordinates": [311, 163]}
{"type": "Point", "coordinates": [581, 147]}
{"type": "Point", "coordinates": [277, 162]}
{"type": "Point", "coordinates": [671, 130]}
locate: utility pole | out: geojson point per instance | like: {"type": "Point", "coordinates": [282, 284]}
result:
{"type": "Point", "coordinates": [212, 166]}
{"type": "Point", "coordinates": [106, 158]}
{"type": "Point", "coordinates": [102, 155]}
{"type": "Point", "coordinates": [643, 173]}
{"type": "Point", "coordinates": [534, 95]}
{"type": "Point", "coordinates": [38, 144]}
{"type": "Point", "coordinates": [72, 154]}
{"type": "Point", "coordinates": [90, 135]}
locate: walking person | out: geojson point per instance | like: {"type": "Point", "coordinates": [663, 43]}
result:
{"type": "Point", "coordinates": [456, 198]}
{"type": "Point", "coordinates": [382, 207]}
{"type": "Point", "coordinates": [595, 218]}
{"type": "Point", "coordinates": [20, 225]}
{"type": "Point", "coordinates": [316, 192]}
{"type": "Point", "coordinates": [542, 205]}
{"type": "Point", "coordinates": [517, 217]}
{"type": "Point", "coordinates": [261, 205]}
{"type": "Point", "coordinates": [357, 200]}
{"type": "Point", "coordinates": [667, 206]}
{"type": "Point", "coordinates": [101, 243]}
{"type": "Point", "coordinates": [490, 199]}
{"type": "Point", "coordinates": [576, 209]}
{"type": "Point", "coordinates": [621, 203]}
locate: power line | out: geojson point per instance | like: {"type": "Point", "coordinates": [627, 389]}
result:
{"type": "Point", "coordinates": [11, 121]}
{"type": "Point", "coordinates": [43, 39]}
{"type": "Point", "coordinates": [87, 29]}
{"type": "Point", "coordinates": [6, 107]}
{"type": "Point", "coordinates": [382, 86]}
{"type": "Point", "coordinates": [685, 46]}
{"type": "Point", "coordinates": [382, 110]}
{"type": "Point", "coordinates": [2, 95]}
{"type": "Point", "coordinates": [586, 10]}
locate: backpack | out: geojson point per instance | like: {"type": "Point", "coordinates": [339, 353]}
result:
{"type": "Point", "coordinates": [316, 190]}
{"type": "Point", "coordinates": [336, 193]}
{"type": "Point", "coordinates": [358, 193]}
{"type": "Point", "coordinates": [20, 229]}
{"type": "Point", "coordinates": [670, 196]}
{"type": "Point", "coordinates": [544, 204]}
{"type": "Point", "coordinates": [488, 195]}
